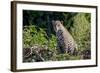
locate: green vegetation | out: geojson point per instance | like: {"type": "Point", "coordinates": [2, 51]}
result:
{"type": "Point", "coordinates": [31, 36]}
{"type": "Point", "coordinates": [38, 30]}
{"type": "Point", "coordinates": [81, 31]}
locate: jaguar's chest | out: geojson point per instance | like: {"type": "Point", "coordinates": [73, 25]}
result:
{"type": "Point", "coordinates": [60, 37]}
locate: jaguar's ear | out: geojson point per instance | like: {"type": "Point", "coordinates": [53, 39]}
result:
{"type": "Point", "coordinates": [61, 22]}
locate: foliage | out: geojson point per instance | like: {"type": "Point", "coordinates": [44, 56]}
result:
{"type": "Point", "coordinates": [33, 36]}
{"type": "Point", "coordinates": [81, 31]}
